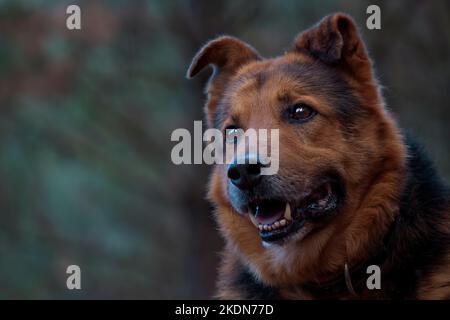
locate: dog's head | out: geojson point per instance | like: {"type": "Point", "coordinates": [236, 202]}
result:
{"type": "Point", "coordinates": [339, 151]}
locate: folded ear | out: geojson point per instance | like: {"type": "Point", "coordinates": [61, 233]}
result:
{"type": "Point", "coordinates": [336, 41]}
{"type": "Point", "coordinates": [225, 54]}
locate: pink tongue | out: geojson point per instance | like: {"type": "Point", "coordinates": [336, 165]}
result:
{"type": "Point", "coordinates": [268, 218]}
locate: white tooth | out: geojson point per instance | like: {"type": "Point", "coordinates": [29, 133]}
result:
{"type": "Point", "coordinates": [253, 219]}
{"type": "Point", "coordinates": [277, 224]}
{"type": "Point", "coordinates": [287, 212]}
{"type": "Point", "coordinates": [269, 228]}
{"type": "Point", "coordinates": [266, 227]}
{"type": "Point", "coordinates": [283, 222]}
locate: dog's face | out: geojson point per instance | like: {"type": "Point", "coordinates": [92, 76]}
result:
{"type": "Point", "coordinates": [333, 129]}
{"type": "Point", "coordinates": [312, 108]}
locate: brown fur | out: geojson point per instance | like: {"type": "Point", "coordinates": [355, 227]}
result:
{"type": "Point", "coordinates": [364, 145]}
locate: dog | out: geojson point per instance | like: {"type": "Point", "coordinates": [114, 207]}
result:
{"type": "Point", "coordinates": [352, 191]}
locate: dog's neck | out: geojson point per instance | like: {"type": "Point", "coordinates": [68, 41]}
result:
{"type": "Point", "coordinates": [400, 256]}
{"type": "Point", "coordinates": [352, 279]}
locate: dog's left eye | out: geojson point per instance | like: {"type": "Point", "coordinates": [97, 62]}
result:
{"type": "Point", "coordinates": [301, 112]}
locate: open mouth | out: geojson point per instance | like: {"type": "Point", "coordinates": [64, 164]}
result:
{"type": "Point", "coordinates": [277, 219]}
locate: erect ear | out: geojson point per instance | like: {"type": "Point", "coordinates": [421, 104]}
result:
{"type": "Point", "coordinates": [225, 54]}
{"type": "Point", "coordinates": [336, 41]}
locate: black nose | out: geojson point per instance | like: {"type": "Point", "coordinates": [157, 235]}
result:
{"type": "Point", "coordinates": [244, 176]}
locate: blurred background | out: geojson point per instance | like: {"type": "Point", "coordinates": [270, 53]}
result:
{"type": "Point", "coordinates": [86, 117]}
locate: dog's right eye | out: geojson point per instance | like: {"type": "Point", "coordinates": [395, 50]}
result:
{"type": "Point", "coordinates": [232, 134]}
